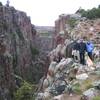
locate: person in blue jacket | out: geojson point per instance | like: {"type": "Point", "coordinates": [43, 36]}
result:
{"type": "Point", "coordinates": [89, 49]}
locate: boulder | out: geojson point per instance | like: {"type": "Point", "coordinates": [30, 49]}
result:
{"type": "Point", "coordinates": [90, 94]}
{"type": "Point", "coordinates": [96, 84]}
{"type": "Point", "coordinates": [83, 76]}
{"type": "Point", "coordinates": [59, 97]}
{"type": "Point", "coordinates": [63, 64]}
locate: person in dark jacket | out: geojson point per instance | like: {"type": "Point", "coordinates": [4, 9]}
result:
{"type": "Point", "coordinates": [76, 46]}
{"type": "Point", "coordinates": [82, 49]}
{"type": "Point", "coordinates": [75, 51]}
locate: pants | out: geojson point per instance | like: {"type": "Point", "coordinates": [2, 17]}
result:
{"type": "Point", "coordinates": [90, 55]}
{"type": "Point", "coordinates": [82, 58]}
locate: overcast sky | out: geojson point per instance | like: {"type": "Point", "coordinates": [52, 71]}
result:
{"type": "Point", "coordinates": [45, 12]}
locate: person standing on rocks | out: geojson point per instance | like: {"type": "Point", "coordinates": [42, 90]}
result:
{"type": "Point", "coordinates": [82, 49]}
{"type": "Point", "coordinates": [89, 49]}
{"type": "Point", "coordinates": [75, 51]}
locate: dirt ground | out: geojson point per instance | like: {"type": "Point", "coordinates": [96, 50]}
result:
{"type": "Point", "coordinates": [67, 97]}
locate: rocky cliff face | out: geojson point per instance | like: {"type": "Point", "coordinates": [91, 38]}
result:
{"type": "Point", "coordinates": [66, 78]}
{"type": "Point", "coordinates": [74, 27]}
{"type": "Point", "coordinates": [17, 36]}
{"type": "Point", "coordinates": [90, 29]}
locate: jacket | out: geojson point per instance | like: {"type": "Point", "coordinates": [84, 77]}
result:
{"type": "Point", "coordinates": [82, 47]}
{"type": "Point", "coordinates": [89, 47]}
{"type": "Point", "coordinates": [76, 46]}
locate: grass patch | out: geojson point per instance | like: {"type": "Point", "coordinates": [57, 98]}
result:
{"type": "Point", "coordinates": [96, 98]}
{"type": "Point", "coordinates": [86, 85]}
{"type": "Point", "coordinates": [77, 88]}
{"type": "Point", "coordinates": [45, 34]}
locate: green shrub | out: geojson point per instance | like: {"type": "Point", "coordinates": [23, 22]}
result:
{"type": "Point", "coordinates": [45, 34]}
{"type": "Point", "coordinates": [20, 35]}
{"type": "Point", "coordinates": [34, 51]}
{"type": "Point", "coordinates": [92, 13]}
{"type": "Point", "coordinates": [89, 86]}
{"type": "Point", "coordinates": [96, 98]}
{"type": "Point", "coordinates": [77, 88]}
{"type": "Point", "coordinates": [1, 4]}
{"type": "Point", "coordinates": [5, 25]}
{"type": "Point", "coordinates": [25, 92]}
{"type": "Point", "coordinates": [72, 22]}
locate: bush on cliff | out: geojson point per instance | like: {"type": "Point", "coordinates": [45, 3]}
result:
{"type": "Point", "coordinates": [1, 4]}
{"type": "Point", "coordinates": [34, 51]}
{"type": "Point", "coordinates": [72, 22]}
{"type": "Point", "coordinates": [91, 13]}
{"type": "Point", "coordinates": [25, 92]}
